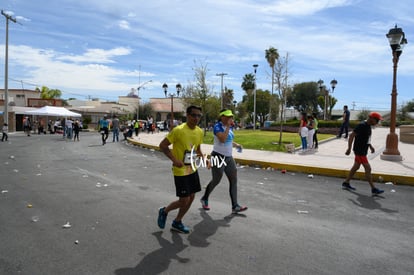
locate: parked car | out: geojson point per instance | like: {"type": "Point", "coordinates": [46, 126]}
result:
{"type": "Point", "coordinates": [250, 126]}
{"type": "Point", "coordinates": [160, 125]}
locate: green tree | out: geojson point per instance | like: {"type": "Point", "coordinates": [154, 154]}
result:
{"type": "Point", "coordinates": [281, 78]}
{"type": "Point", "coordinates": [145, 111]}
{"type": "Point", "coordinates": [304, 97]}
{"type": "Point", "coordinates": [199, 93]}
{"type": "Point", "coordinates": [409, 106]}
{"type": "Point", "coordinates": [330, 104]}
{"type": "Point", "coordinates": [46, 93]}
{"type": "Point", "coordinates": [248, 87]}
{"type": "Point", "coordinates": [271, 56]}
{"type": "Point", "coordinates": [228, 97]}
{"type": "Point", "coordinates": [262, 105]}
{"type": "Point", "coordinates": [248, 83]}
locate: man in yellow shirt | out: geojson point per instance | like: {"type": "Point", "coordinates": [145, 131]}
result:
{"type": "Point", "coordinates": [186, 140]}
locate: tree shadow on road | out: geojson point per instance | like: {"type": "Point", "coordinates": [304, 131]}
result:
{"type": "Point", "coordinates": [158, 261]}
{"type": "Point", "coordinates": [370, 202]}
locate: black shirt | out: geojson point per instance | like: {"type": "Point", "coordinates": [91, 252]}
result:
{"type": "Point", "coordinates": [362, 138]}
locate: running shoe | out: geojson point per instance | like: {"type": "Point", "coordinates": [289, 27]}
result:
{"type": "Point", "coordinates": [162, 217]}
{"type": "Point", "coordinates": [179, 227]}
{"type": "Point", "coordinates": [348, 186]}
{"type": "Point", "coordinates": [204, 204]}
{"type": "Point", "coordinates": [376, 191]}
{"type": "Point", "coordinates": [238, 209]}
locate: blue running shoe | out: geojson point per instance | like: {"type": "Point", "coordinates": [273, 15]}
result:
{"type": "Point", "coordinates": [347, 186]}
{"type": "Point", "coordinates": [162, 217]}
{"type": "Point", "coordinates": [180, 227]}
{"type": "Point", "coordinates": [376, 191]}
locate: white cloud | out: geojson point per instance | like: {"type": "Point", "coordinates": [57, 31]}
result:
{"type": "Point", "coordinates": [96, 55]}
{"type": "Point", "coordinates": [123, 24]}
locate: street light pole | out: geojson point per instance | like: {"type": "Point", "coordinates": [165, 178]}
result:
{"type": "Point", "coordinates": [171, 95]}
{"type": "Point", "coordinates": [222, 91]}
{"type": "Point", "coordinates": [320, 83]}
{"type": "Point", "coordinates": [397, 42]}
{"type": "Point", "coordinates": [254, 97]}
{"type": "Point", "coordinates": [139, 88]}
{"type": "Point", "coordinates": [6, 67]}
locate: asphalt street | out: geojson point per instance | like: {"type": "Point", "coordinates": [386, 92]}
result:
{"type": "Point", "coordinates": [82, 208]}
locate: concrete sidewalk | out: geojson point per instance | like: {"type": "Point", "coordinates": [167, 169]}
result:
{"type": "Point", "coordinates": [328, 160]}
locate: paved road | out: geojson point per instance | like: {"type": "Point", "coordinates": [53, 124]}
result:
{"type": "Point", "coordinates": [110, 195]}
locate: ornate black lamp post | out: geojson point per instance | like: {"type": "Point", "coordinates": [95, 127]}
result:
{"type": "Point", "coordinates": [333, 86]}
{"type": "Point", "coordinates": [397, 40]}
{"type": "Point", "coordinates": [172, 95]}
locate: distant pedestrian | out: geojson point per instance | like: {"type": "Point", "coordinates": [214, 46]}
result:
{"type": "Point", "coordinates": [316, 128]}
{"type": "Point", "coordinates": [186, 141]}
{"type": "Point", "coordinates": [223, 160]}
{"type": "Point", "coordinates": [311, 131]}
{"type": "Point", "coordinates": [27, 126]}
{"type": "Point", "coordinates": [104, 129]}
{"type": "Point", "coordinates": [5, 130]}
{"type": "Point", "coordinates": [150, 123]}
{"type": "Point", "coordinates": [137, 125]}
{"type": "Point", "coordinates": [69, 128]}
{"type": "Point", "coordinates": [345, 123]}
{"type": "Point", "coordinates": [361, 140]}
{"type": "Point", "coordinates": [115, 129]}
{"type": "Point", "coordinates": [76, 129]}
{"type": "Point", "coordinates": [303, 132]}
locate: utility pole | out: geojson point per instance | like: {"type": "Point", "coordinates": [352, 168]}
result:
{"type": "Point", "coordinates": [138, 89]}
{"type": "Point", "coordinates": [222, 91]}
{"type": "Point", "coordinates": [6, 66]}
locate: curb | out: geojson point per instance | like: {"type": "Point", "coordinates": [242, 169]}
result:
{"type": "Point", "coordinates": [331, 172]}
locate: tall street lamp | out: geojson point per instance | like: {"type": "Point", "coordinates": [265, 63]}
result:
{"type": "Point", "coordinates": [254, 97]}
{"type": "Point", "coordinates": [320, 84]}
{"type": "Point", "coordinates": [222, 91]}
{"type": "Point", "coordinates": [333, 85]}
{"type": "Point", "coordinates": [139, 88]}
{"type": "Point", "coordinates": [397, 40]}
{"type": "Point", "coordinates": [172, 95]}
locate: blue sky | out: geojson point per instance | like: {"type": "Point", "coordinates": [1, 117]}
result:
{"type": "Point", "coordinates": [103, 48]}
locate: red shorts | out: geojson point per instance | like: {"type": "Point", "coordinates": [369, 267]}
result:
{"type": "Point", "coordinates": [361, 159]}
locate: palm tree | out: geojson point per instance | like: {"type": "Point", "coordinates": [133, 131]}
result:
{"type": "Point", "coordinates": [248, 83]}
{"type": "Point", "coordinates": [271, 56]}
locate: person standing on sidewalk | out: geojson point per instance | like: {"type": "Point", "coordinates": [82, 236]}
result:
{"type": "Point", "coordinates": [361, 138]}
{"type": "Point", "coordinates": [186, 140]}
{"type": "Point", "coordinates": [315, 135]}
{"type": "Point", "coordinates": [303, 132]}
{"type": "Point", "coordinates": [311, 131]}
{"type": "Point", "coordinates": [222, 150]}
{"type": "Point", "coordinates": [345, 123]}
{"type": "Point", "coordinates": [137, 125]}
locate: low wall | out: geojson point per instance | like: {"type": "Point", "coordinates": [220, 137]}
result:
{"type": "Point", "coordinates": [407, 133]}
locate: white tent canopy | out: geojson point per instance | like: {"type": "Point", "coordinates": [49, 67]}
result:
{"type": "Point", "coordinates": [53, 111]}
